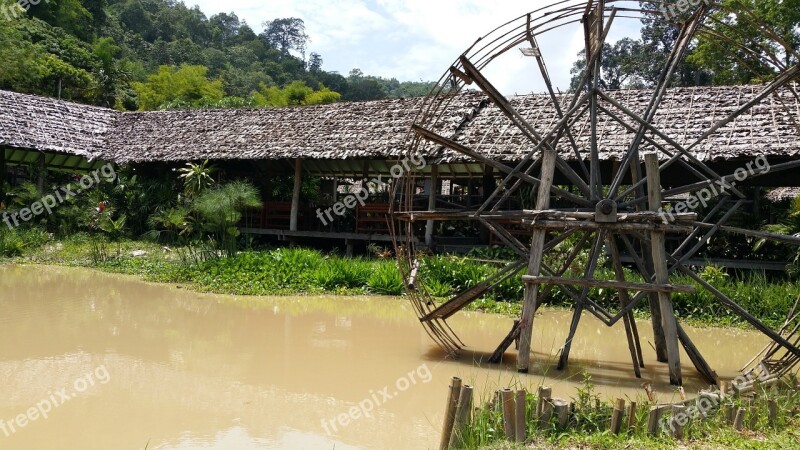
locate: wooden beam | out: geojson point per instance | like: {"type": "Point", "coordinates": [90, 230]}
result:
{"type": "Point", "coordinates": [535, 262]}
{"type": "Point", "coordinates": [298, 179]}
{"type": "Point", "coordinates": [659, 255]}
{"type": "Point", "coordinates": [608, 284]}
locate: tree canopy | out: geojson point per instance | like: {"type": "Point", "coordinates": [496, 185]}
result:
{"type": "Point", "coordinates": [157, 54]}
{"type": "Point", "coordinates": [733, 50]}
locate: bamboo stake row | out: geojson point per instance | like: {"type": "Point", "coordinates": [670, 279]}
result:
{"type": "Point", "coordinates": [513, 408]}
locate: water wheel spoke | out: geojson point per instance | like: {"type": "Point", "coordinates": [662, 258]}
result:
{"type": "Point", "coordinates": [684, 152]}
{"type": "Point", "coordinates": [702, 242]}
{"type": "Point", "coordinates": [576, 316]}
{"type": "Point", "coordinates": [676, 55]}
{"type": "Point", "coordinates": [631, 333]}
{"type": "Point", "coordinates": [786, 239]}
{"type": "Point", "coordinates": [512, 172]}
{"type": "Point", "coordinates": [554, 99]}
{"type": "Point", "coordinates": [739, 311]}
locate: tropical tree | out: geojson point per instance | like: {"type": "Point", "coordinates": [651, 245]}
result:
{"type": "Point", "coordinates": [196, 178]}
{"type": "Point", "coordinates": [220, 210]}
{"type": "Point", "coordinates": [286, 34]}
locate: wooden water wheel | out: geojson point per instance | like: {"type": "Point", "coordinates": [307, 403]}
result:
{"type": "Point", "coordinates": [585, 212]}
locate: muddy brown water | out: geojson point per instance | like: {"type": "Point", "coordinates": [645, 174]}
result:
{"type": "Point", "coordinates": [126, 364]}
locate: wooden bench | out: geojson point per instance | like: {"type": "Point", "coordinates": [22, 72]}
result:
{"type": "Point", "coordinates": [372, 218]}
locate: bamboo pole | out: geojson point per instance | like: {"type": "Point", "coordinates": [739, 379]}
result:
{"type": "Point", "coordinates": [462, 418]}
{"type": "Point", "coordinates": [509, 423]}
{"type": "Point", "coordinates": [653, 420]}
{"type": "Point", "coordinates": [659, 254]}
{"type": "Point", "coordinates": [562, 413]}
{"type": "Point", "coordinates": [543, 393]}
{"type": "Point", "coordinates": [738, 421]}
{"type": "Point", "coordinates": [632, 416]}
{"type": "Point", "coordinates": [521, 416]}
{"type": "Point", "coordinates": [772, 407]}
{"type": "Point", "coordinates": [616, 416]}
{"type": "Point", "coordinates": [676, 424]}
{"type": "Point", "coordinates": [450, 412]}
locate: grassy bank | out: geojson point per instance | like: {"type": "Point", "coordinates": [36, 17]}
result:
{"type": "Point", "coordinates": [303, 271]}
{"type": "Point", "coordinates": [589, 425]}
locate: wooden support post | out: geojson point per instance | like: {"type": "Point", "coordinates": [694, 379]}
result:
{"type": "Point", "coordinates": [432, 204]}
{"type": "Point", "coordinates": [512, 335]}
{"type": "Point", "coordinates": [488, 186]}
{"type": "Point", "coordinates": [616, 416]}
{"type": "Point", "coordinates": [520, 415]}
{"type": "Point", "coordinates": [450, 412]}
{"type": "Point", "coordinates": [463, 410]}
{"type": "Point", "coordinates": [298, 180]}
{"type": "Point", "coordinates": [509, 422]}
{"type": "Point", "coordinates": [2, 175]}
{"type": "Point", "coordinates": [659, 254]}
{"type": "Point", "coordinates": [535, 262]}
{"type": "Point", "coordinates": [655, 313]}
{"type": "Point", "coordinates": [42, 175]}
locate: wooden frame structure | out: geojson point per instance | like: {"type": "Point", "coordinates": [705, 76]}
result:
{"type": "Point", "coordinates": [617, 211]}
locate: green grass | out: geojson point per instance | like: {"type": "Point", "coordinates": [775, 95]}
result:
{"type": "Point", "coordinates": [301, 271]}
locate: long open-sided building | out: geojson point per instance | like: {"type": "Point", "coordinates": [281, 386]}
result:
{"type": "Point", "coordinates": [347, 143]}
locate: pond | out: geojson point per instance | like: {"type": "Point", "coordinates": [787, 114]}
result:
{"type": "Point", "coordinates": [98, 361]}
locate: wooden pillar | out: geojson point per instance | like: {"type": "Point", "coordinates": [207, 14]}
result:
{"type": "Point", "coordinates": [40, 182]}
{"type": "Point", "coordinates": [488, 186]}
{"type": "Point", "coordinates": [535, 262]}
{"type": "Point", "coordinates": [298, 179]}
{"type": "Point", "coordinates": [659, 254]}
{"type": "Point", "coordinates": [432, 204]}
{"type": "Point", "coordinates": [3, 175]}
{"type": "Point", "coordinates": [655, 314]}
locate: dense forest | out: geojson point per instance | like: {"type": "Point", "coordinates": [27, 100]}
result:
{"type": "Point", "coordinates": [160, 54]}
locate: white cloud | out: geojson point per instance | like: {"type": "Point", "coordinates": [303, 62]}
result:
{"type": "Point", "coordinates": [416, 39]}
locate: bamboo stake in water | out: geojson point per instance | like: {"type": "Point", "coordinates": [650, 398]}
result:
{"type": "Point", "coordinates": [463, 415]}
{"type": "Point", "coordinates": [521, 416]}
{"type": "Point", "coordinates": [632, 416]}
{"type": "Point", "coordinates": [738, 422]}
{"type": "Point", "coordinates": [509, 424]}
{"type": "Point", "coordinates": [616, 416]}
{"type": "Point", "coordinates": [450, 412]}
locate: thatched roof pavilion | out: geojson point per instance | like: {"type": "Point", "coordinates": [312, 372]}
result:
{"type": "Point", "coordinates": [362, 140]}
{"type": "Point", "coordinates": [339, 139]}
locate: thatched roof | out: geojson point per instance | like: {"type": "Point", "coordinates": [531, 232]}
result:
{"type": "Point", "coordinates": [49, 125]}
{"type": "Point", "coordinates": [379, 129]}
{"type": "Point", "coordinates": [770, 128]}
{"type": "Point", "coordinates": [783, 193]}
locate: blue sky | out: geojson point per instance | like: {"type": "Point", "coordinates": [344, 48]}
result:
{"type": "Point", "coordinates": [416, 39]}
